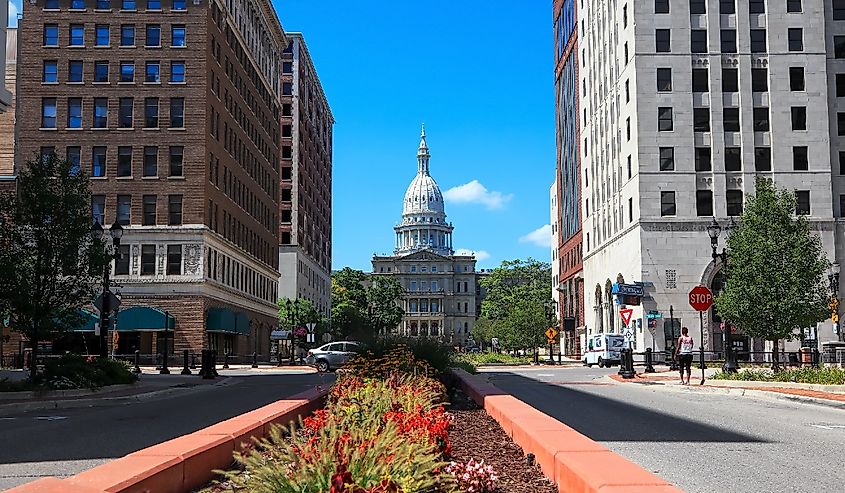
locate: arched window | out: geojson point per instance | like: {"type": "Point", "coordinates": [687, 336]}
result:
{"type": "Point", "coordinates": [611, 319]}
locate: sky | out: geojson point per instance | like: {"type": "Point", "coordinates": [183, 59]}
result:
{"type": "Point", "coordinates": [479, 73]}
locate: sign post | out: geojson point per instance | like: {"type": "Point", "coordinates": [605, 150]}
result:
{"type": "Point", "coordinates": [701, 299]}
{"type": "Point", "coordinates": [626, 314]}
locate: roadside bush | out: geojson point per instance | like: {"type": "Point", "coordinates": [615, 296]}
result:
{"type": "Point", "coordinates": [822, 376]}
{"type": "Point", "coordinates": [431, 351]}
{"type": "Point", "coordinates": [463, 364]}
{"type": "Point", "coordinates": [493, 358]}
{"type": "Point", "coordinates": [72, 371]}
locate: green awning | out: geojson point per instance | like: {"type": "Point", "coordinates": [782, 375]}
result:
{"type": "Point", "coordinates": [87, 321]}
{"type": "Point", "coordinates": [144, 318]}
{"type": "Point", "coordinates": [224, 320]}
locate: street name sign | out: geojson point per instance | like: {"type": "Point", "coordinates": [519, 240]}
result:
{"type": "Point", "coordinates": [627, 290]}
{"type": "Point", "coordinates": [653, 314]}
{"type": "Point", "coordinates": [701, 298]}
{"type": "Point", "coordinates": [626, 314]}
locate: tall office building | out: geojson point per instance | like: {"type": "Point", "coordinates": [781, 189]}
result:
{"type": "Point", "coordinates": [566, 223]}
{"type": "Point", "coordinates": [7, 112]}
{"type": "Point", "coordinates": [174, 109]}
{"type": "Point", "coordinates": [684, 104]}
{"type": "Point", "coordinates": [305, 207]}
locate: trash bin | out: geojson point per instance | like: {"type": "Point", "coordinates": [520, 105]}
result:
{"type": "Point", "coordinates": [806, 356]}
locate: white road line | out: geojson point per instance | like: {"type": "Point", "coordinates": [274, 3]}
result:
{"type": "Point", "coordinates": [50, 418]}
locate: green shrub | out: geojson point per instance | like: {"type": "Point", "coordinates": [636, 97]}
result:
{"type": "Point", "coordinates": [429, 350]}
{"type": "Point", "coordinates": [464, 364]}
{"type": "Point", "coordinates": [478, 359]}
{"type": "Point", "coordinates": [72, 371]}
{"type": "Point", "coordinates": [823, 376]}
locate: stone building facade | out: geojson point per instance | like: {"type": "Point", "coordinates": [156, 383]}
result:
{"type": "Point", "coordinates": [305, 205]}
{"type": "Point", "coordinates": [7, 109]}
{"type": "Point", "coordinates": [174, 109]}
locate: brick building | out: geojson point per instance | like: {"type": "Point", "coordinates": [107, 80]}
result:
{"type": "Point", "coordinates": [305, 208]}
{"type": "Point", "coordinates": [173, 108]}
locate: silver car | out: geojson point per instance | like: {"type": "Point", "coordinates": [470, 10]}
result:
{"type": "Point", "coordinates": [333, 355]}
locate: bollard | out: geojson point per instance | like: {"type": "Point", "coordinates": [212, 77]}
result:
{"type": "Point", "coordinates": [193, 361]}
{"type": "Point", "coordinates": [816, 358]}
{"type": "Point", "coordinates": [626, 365]}
{"type": "Point", "coordinates": [226, 361]}
{"type": "Point", "coordinates": [213, 357]}
{"type": "Point", "coordinates": [185, 369]}
{"type": "Point", "coordinates": [255, 360]}
{"type": "Point", "coordinates": [205, 365]}
{"type": "Point", "coordinates": [649, 367]}
{"type": "Point", "coordinates": [164, 369]}
{"type": "Point", "coordinates": [137, 369]}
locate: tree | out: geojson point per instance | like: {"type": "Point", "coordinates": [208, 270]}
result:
{"type": "Point", "coordinates": [302, 309]}
{"type": "Point", "coordinates": [363, 309]}
{"type": "Point", "coordinates": [775, 271]}
{"type": "Point", "coordinates": [49, 262]}
{"type": "Point", "coordinates": [483, 331]}
{"type": "Point", "coordinates": [384, 312]}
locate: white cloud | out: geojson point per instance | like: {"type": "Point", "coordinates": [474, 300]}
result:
{"type": "Point", "coordinates": [479, 254]}
{"type": "Point", "coordinates": [476, 193]}
{"type": "Point", "coordinates": [13, 14]}
{"type": "Point", "coordinates": [542, 237]}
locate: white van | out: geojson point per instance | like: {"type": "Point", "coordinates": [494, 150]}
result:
{"type": "Point", "coordinates": [603, 350]}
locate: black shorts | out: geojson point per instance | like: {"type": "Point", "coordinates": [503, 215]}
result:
{"type": "Point", "coordinates": [685, 361]}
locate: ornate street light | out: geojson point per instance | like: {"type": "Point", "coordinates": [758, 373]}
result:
{"type": "Point", "coordinates": [714, 230]}
{"type": "Point", "coordinates": [551, 311]}
{"type": "Point", "coordinates": [833, 278]}
{"type": "Point", "coordinates": [98, 233]}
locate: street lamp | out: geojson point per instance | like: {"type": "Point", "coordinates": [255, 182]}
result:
{"type": "Point", "coordinates": [116, 233]}
{"type": "Point", "coordinates": [833, 277]}
{"type": "Point", "coordinates": [292, 307]}
{"type": "Point", "coordinates": [714, 230]}
{"type": "Point", "coordinates": [551, 311]}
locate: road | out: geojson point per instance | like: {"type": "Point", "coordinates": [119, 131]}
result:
{"type": "Point", "coordinates": [700, 442]}
{"type": "Point", "coordinates": [65, 442]}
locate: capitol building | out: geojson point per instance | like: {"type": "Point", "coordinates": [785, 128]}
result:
{"type": "Point", "coordinates": [442, 295]}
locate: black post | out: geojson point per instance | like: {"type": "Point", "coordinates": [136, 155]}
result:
{"type": "Point", "coordinates": [193, 361]}
{"type": "Point", "coordinates": [164, 369]}
{"type": "Point", "coordinates": [226, 360]}
{"type": "Point", "coordinates": [626, 365]}
{"type": "Point", "coordinates": [255, 349]}
{"type": "Point", "coordinates": [255, 360]}
{"type": "Point", "coordinates": [673, 366]}
{"type": "Point", "coordinates": [649, 368]}
{"type": "Point", "coordinates": [701, 326]}
{"type": "Point", "coordinates": [730, 365]}
{"type": "Point", "coordinates": [185, 369]}
{"type": "Point", "coordinates": [105, 309]}
{"type": "Point", "coordinates": [137, 368]}
{"type": "Point", "coordinates": [551, 353]}
{"type": "Point", "coordinates": [214, 363]}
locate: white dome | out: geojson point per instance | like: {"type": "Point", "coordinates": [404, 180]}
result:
{"type": "Point", "coordinates": [423, 197]}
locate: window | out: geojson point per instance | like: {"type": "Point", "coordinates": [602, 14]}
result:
{"type": "Point", "coordinates": [150, 161]}
{"type": "Point", "coordinates": [841, 204]}
{"type": "Point", "coordinates": [176, 158]}
{"type": "Point", "coordinates": [842, 162]}
{"type": "Point", "coordinates": [838, 10]}
{"type": "Point", "coordinates": [733, 159]}
{"type": "Point", "coordinates": [663, 40]}
{"type": "Point", "coordinates": [667, 158]}
{"type": "Point", "coordinates": [73, 158]}
{"type": "Point", "coordinates": [50, 71]}
{"type": "Point", "coordinates": [704, 202]}
{"type": "Point", "coordinates": [48, 113]}
{"type": "Point", "coordinates": [661, 6]}
{"type": "Point", "coordinates": [730, 80]}
{"type": "Point", "coordinates": [98, 161]}
{"type": "Point", "coordinates": [174, 260]}
{"type": "Point", "coordinates": [700, 80]}
{"type": "Point", "coordinates": [761, 119]}
{"type": "Point", "coordinates": [698, 40]}
{"type": "Point", "coordinates": [103, 4]}
{"type": "Point", "coordinates": [47, 153]}
{"type": "Point", "coordinates": [698, 6]}
{"type": "Point", "coordinates": [51, 35]}
{"type": "Point", "coordinates": [630, 210]}
{"type": "Point", "coordinates": [153, 4]}
{"type": "Point", "coordinates": [664, 79]}
{"type": "Point", "coordinates": [77, 35]}
{"type": "Point", "coordinates": [757, 6]}
{"type": "Point", "coordinates": [124, 209]}
{"type": "Point", "coordinates": [728, 39]}
{"type": "Point", "coordinates": [180, 5]}
{"type": "Point", "coordinates": [98, 208]}
{"type": "Point", "coordinates": [287, 67]}
{"type": "Point", "coordinates": [121, 263]}
{"type": "Point", "coordinates": [127, 5]}
{"type": "Point", "coordinates": [127, 71]}
{"type": "Point", "coordinates": [731, 122]}
{"type": "Point", "coordinates": [287, 130]}
{"type": "Point", "coordinates": [793, 5]}
{"type": "Point", "coordinates": [287, 88]}
{"type": "Point", "coordinates": [177, 112]}
{"type": "Point", "coordinates": [625, 52]}
{"type": "Point", "coordinates": [124, 161]}
{"type": "Point", "coordinates": [701, 119]}
{"type": "Point", "coordinates": [102, 38]}
{"type": "Point", "coordinates": [702, 159]}
{"type": "Point", "coordinates": [799, 118]}
{"type": "Point", "coordinates": [627, 133]}
{"type": "Point", "coordinates": [627, 91]}
{"type": "Point", "coordinates": [101, 71]}
{"type": "Point", "coordinates": [758, 41]}
{"type": "Point", "coordinates": [177, 72]}
{"type": "Point", "coordinates": [796, 78]}
{"type": "Point", "coordinates": [800, 161]}
{"type": "Point", "coordinates": [148, 260]}
{"type": "Point", "coordinates": [148, 217]}
{"type": "Point", "coordinates": [629, 172]}
{"type": "Point", "coordinates": [664, 119]}
{"type": "Point", "coordinates": [840, 85]}
{"type": "Point", "coordinates": [153, 35]}
{"type": "Point", "coordinates": [74, 112]}
{"type": "Point", "coordinates": [77, 4]}
{"type": "Point", "coordinates": [127, 35]}
{"type": "Point", "coordinates": [51, 4]}
{"type": "Point", "coordinates": [762, 158]}
{"type": "Point", "coordinates": [733, 199]}
{"type": "Point", "coordinates": [796, 39]}
{"type": "Point", "coordinates": [101, 113]}
{"type": "Point", "coordinates": [839, 46]}
{"type": "Point", "coordinates": [125, 112]}
{"type": "Point", "coordinates": [727, 7]}
{"type": "Point", "coordinates": [174, 210]}
{"type": "Point", "coordinates": [667, 203]}
{"type": "Point", "coordinates": [759, 80]}
{"type": "Point", "coordinates": [74, 71]}
{"type": "Point", "coordinates": [177, 36]}
{"type": "Point", "coordinates": [152, 72]}
{"type": "Point", "coordinates": [840, 124]}
{"type": "Point", "coordinates": [802, 202]}
{"type": "Point", "coordinates": [150, 112]}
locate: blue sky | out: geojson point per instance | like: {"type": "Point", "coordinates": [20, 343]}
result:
{"type": "Point", "coordinates": [479, 74]}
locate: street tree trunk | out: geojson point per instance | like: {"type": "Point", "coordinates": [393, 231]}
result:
{"type": "Point", "coordinates": [775, 356]}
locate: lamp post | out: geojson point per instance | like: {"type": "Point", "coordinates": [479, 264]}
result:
{"type": "Point", "coordinates": [292, 307]}
{"type": "Point", "coordinates": [714, 230]}
{"type": "Point", "coordinates": [164, 369]}
{"type": "Point", "coordinates": [116, 233]}
{"type": "Point", "coordinates": [255, 346]}
{"type": "Point", "coordinates": [833, 277]}
{"type": "Point", "coordinates": [551, 312]}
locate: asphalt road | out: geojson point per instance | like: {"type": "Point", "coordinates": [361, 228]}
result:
{"type": "Point", "coordinates": [65, 442]}
{"type": "Point", "coordinates": [700, 442]}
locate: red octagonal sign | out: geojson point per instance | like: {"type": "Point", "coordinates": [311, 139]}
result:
{"type": "Point", "coordinates": [701, 298]}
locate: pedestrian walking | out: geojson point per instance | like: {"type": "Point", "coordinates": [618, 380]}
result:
{"type": "Point", "coordinates": [683, 352]}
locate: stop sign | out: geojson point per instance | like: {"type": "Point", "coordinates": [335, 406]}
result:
{"type": "Point", "coordinates": [700, 298]}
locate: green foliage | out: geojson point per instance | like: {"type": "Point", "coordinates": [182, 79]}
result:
{"type": "Point", "coordinates": [493, 358]}
{"type": "Point", "coordinates": [363, 310]}
{"type": "Point", "coordinates": [822, 376]}
{"type": "Point", "coordinates": [302, 310]}
{"type": "Point", "coordinates": [431, 351]}
{"type": "Point", "coordinates": [463, 364]}
{"type": "Point", "coordinates": [49, 263]}
{"type": "Point", "coordinates": [72, 371]}
{"type": "Point", "coordinates": [776, 269]}
{"type": "Point", "coordinates": [384, 312]}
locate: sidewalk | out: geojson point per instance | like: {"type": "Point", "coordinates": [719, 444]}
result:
{"type": "Point", "coordinates": [824, 395]}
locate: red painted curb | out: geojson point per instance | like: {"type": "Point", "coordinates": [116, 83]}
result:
{"type": "Point", "coordinates": [573, 461]}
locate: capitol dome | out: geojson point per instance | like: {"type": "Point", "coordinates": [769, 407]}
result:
{"type": "Point", "coordinates": [423, 196]}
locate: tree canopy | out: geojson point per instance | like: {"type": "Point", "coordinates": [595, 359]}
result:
{"type": "Point", "coordinates": [362, 306]}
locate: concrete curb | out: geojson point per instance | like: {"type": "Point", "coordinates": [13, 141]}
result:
{"type": "Point", "coordinates": [187, 462]}
{"type": "Point", "coordinates": [573, 461]}
{"type": "Point", "coordinates": [29, 394]}
{"type": "Point", "coordinates": [18, 407]}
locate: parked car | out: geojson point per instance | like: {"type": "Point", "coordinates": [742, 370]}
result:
{"type": "Point", "coordinates": [333, 355]}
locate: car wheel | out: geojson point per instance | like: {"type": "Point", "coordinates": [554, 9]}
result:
{"type": "Point", "coordinates": [323, 366]}
{"type": "Point", "coordinates": [601, 362]}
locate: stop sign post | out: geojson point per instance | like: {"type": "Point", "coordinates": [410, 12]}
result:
{"type": "Point", "coordinates": [701, 299]}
